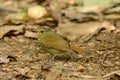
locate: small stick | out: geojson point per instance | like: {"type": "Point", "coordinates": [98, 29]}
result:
{"type": "Point", "coordinates": [107, 75]}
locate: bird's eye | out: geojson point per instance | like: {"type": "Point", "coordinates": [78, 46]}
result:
{"type": "Point", "coordinates": [41, 31]}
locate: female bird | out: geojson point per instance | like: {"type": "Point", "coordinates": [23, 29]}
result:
{"type": "Point", "coordinates": [54, 43]}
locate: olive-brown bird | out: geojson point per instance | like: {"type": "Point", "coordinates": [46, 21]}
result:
{"type": "Point", "coordinates": [54, 43]}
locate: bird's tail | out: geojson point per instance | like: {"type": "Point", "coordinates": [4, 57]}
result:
{"type": "Point", "coordinates": [78, 49]}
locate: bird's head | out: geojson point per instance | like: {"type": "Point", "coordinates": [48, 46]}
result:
{"type": "Point", "coordinates": [42, 31]}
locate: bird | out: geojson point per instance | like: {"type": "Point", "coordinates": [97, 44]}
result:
{"type": "Point", "coordinates": [54, 43]}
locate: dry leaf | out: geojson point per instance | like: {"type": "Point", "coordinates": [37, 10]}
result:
{"type": "Point", "coordinates": [30, 34]}
{"type": "Point", "coordinates": [73, 30]}
{"type": "Point", "coordinates": [3, 59]}
{"type": "Point", "coordinates": [5, 29]}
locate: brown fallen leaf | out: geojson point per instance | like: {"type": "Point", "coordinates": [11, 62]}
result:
{"type": "Point", "coordinates": [13, 29]}
{"type": "Point", "coordinates": [30, 34]}
{"type": "Point", "coordinates": [4, 59]}
{"type": "Point", "coordinates": [86, 30]}
{"type": "Point", "coordinates": [59, 4]}
{"type": "Point", "coordinates": [55, 7]}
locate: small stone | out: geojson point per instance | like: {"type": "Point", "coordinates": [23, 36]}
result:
{"type": "Point", "coordinates": [80, 68]}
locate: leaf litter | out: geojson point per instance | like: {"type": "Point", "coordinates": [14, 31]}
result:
{"type": "Point", "coordinates": [21, 56]}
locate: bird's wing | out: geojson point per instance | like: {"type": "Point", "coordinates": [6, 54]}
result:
{"type": "Point", "coordinates": [55, 41]}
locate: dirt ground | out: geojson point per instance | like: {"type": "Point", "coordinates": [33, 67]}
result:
{"type": "Point", "coordinates": [21, 58]}
{"type": "Point", "coordinates": [25, 60]}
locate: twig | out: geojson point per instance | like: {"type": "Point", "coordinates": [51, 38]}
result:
{"type": "Point", "coordinates": [107, 75]}
{"type": "Point", "coordinates": [102, 62]}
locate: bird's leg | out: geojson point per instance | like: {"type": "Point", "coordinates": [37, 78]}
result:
{"type": "Point", "coordinates": [49, 60]}
{"type": "Point", "coordinates": [73, 55]}
{"type": "Point", "coordinates": [45, 65]}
